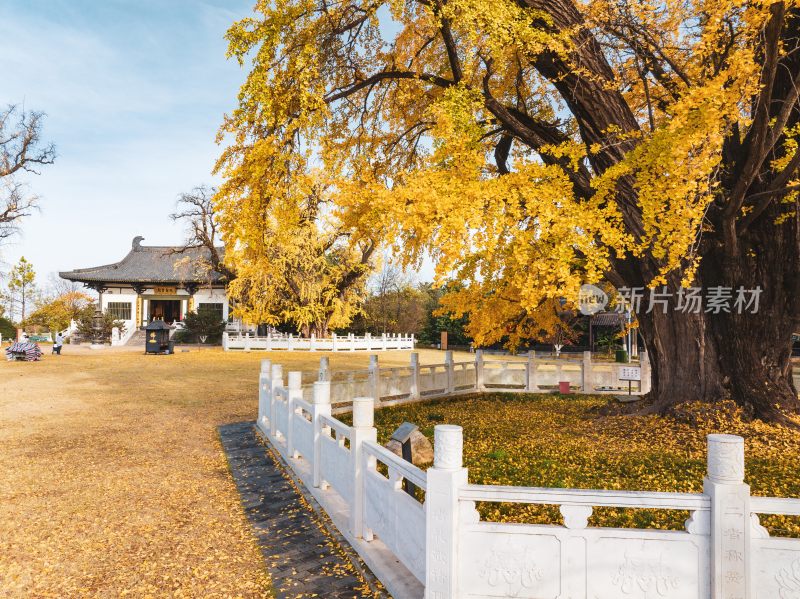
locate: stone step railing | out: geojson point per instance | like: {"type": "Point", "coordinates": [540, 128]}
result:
{"type": "Point", "coordinates": [248, 342]}
{"type": "Point", "coordinates": [529, 374]}
{"type": "Point", "coordinates": [122, 337]}
{"type": "Point", "coordinates": [433, 543]}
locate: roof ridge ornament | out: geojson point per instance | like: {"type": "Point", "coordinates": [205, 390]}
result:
{"type": "Point", "coordinates": [137, 243]}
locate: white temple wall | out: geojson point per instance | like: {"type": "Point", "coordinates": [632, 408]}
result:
{"type": "Point", "coordinates": [120, 294]}
{"type": "Point", "coordinates": [127, 294]}
{"type": "Point", "coordinates": [212, 296]}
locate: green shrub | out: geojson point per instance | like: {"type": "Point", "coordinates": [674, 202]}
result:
{"type": "Point", "coordinates": [7, 329]}
{"type": "Point", "coordinates": [205, 323]}
{"type": "Point", "coordinates": [85, 324]}
{"type": "Point", "coordinates": [183, 336]}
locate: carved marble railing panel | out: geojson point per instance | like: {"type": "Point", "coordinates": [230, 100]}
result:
{"type": "Point", "coordinates": [776, 567]}
{"type": "Point", "coordinates": [644, 564]}
{"type": "Point", "coordinates": [390, 513]}
{"type": "Point", "coordinates": [507, 561]}
{"type": "Point", "coordinates": [336, 466]}
{"type": "Point", "coordinates": [464, 376]}
{"type": "Point", "coordinates": [324, 344]}
{"type": "Point", "coordinates": [548, 373]}
{"type": "Point", "coordinates": [280, 400]}
{"type": "Point", "coordinates": [543, 561]}
{"type": "Point", "coordinates": [432, 379]}
{"type": "Point", "coordinates": [504, 374]}
{"type": "Point", "coordinates": [776, 560]}
{"type": "Point", "coordinates": [605, 376]}
{"type": "Point", "coordinates": [264, 401]}
{"type": "Point", "coordinates": [303, 430]}
{"type": "Point", "coordinates": [343, 392]}
{"type": "Point", "coordinates": [395, 383]}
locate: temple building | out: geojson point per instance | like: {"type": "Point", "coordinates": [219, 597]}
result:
{"type": "Point", "coordinates": [155, 283]}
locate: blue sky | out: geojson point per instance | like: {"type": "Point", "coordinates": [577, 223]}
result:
{"type": "Point", "coordinates": [134, 93]}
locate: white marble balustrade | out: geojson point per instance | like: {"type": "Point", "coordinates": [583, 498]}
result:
{"type": "Point", "coordinates": [246, 341]}
{"type": "Point", "coordinates": [440, 548]}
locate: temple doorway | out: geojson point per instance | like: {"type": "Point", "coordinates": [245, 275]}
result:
{"type": "Point", "coordinates": [166, 310]}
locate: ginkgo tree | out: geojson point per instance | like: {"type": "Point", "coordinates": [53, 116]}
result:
{"type": "Point", "coordinates": [532, 146]}
{"type": "Point", "coordinates": [288, 263]}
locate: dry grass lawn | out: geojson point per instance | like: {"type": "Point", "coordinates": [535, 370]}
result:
{"type": "Point", "coordinates": [112, 478]}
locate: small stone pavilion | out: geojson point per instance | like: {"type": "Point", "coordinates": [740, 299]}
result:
{"type": "Point", "coordinates": [155, 283]}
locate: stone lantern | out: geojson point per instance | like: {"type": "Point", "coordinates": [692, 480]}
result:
{"type": "Point", "coordinates": [98, 339]}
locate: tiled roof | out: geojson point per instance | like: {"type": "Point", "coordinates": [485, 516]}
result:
{"type": "Point", "coordinates": [150, 264]}
{"type": "Point", "coordinates": [608, 319]}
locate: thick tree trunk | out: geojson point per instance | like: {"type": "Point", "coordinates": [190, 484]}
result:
{"type": "Point", "coordinates": [740, 355]}
{"type": "Point", "coordinates": [756, 347]}
{"type": "Point", "coordinates": [702, 357]}
{"type": "Point", "coordinates": [319, 330]}
{"type": "Point", "coordinates": [684, 359]}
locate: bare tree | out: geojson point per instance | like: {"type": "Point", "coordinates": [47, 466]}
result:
{"type": "Point", "coordinates": [56, 286]}
{"type": "Point", "coordinates": [21, 150]}
{"type": "Point", "coordinates": [388, 281]}
{"type": "Point", "coordinates": [196, 210]}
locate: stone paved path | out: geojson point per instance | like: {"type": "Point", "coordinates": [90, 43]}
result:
{"type": "Point", "coordinates": [303, 559]}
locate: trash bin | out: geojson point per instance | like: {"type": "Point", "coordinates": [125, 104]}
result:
{"type": "Point", "coordinates": [563, 387]}
{"type": "Point", "coordinates": [622, 356]}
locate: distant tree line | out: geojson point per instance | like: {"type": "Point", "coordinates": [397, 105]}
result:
{"type": "Point", "coordinates": [395, 305]}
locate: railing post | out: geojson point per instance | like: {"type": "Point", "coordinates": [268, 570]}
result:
{"type": "Point", "coordinates": [264, 397]}
{"type": "Point", "coordinates": [644, 363]}
{"type": "Point", "coordinates": [225, 340]}
{"type": "Point", "coordinates": [448, 362]}
{"type": "Point", "coordinates": [415, 375]}
{"type": "Point", "coordinates": [247, 342]}
{"type": "Point", "coordinates": [289, 344]}
{"type": "Point", "coordinates": [530, 372]}
{"type": "Point", "coordinates": [275, 382]}
{"type": "Point", "coordinates": [375, 378]}
{"type": "Point", "coordinates": [295, 392]}
{"type": "Point", "coordinates": [321, 406]}
{"type": "Point", "coordinates": [479, 386]}
{"type": "Point", "coordinates": [333, 342]}
{"type": "Point", "coordinates": [441, 513]}
{"type": "Point", "coordinates": [586, 373]}
{"type": "Point", "coordinates": [362, 430]}
{"type": "Point", "coordinates": [324, 370]}
{"type": "Point", "coordinates": [731, 561]}
{"type": "Point", "coordinates": [312, 342]}
{"type": "Point", "coordinates": [269, 341]}
{"type": "Point", "coordinates": [352, 339]}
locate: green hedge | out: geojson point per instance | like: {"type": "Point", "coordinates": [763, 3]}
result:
{"type": "Point", "coordinates": [7, 329]}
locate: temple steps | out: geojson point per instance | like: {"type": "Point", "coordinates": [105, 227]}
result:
{"type": "Point", "coordinates": [137, 339]}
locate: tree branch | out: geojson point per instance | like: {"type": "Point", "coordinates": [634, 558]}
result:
{"type": "Point", "coordinates": [387, 74]}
